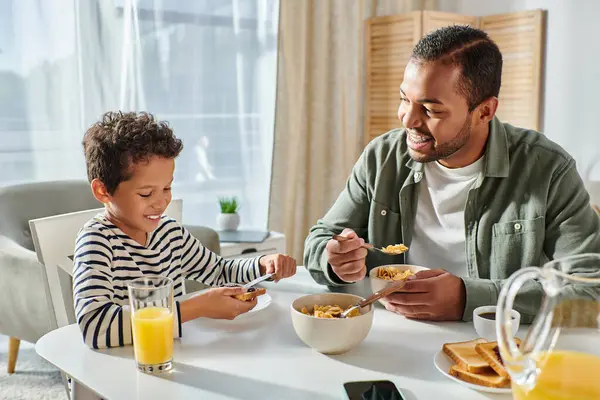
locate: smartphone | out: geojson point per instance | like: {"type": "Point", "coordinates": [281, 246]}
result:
{"type": "Point", "coordinates": [372, 390]}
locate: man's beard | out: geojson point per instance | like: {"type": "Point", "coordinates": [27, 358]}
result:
{"type": "Point", "coordinates": [447, 149]}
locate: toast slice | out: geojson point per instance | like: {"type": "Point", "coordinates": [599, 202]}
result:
{"type": "Point", "coordinates": [251, 294]}
{"type": "Point", "coordinates": [488, 379]}
{"type": "Point", "coordinates": [490, 352]}
{"type": "Point", "coordinates": [465, 356]}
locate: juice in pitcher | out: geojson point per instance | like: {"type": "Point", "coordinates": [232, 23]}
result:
{"type": "Point", "coordinates": [559, 359]}
{"type": "Point", "coordinates": [564, 375]}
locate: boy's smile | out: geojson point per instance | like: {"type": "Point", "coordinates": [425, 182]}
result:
{"type": "Point", "coordinates": [139, 202]}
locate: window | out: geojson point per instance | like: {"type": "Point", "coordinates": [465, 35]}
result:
{"type": "Point", "coordinates": [208, 67]}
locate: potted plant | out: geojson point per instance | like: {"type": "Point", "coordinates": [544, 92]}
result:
{"type": "Point", "coordinates": [228, 219]}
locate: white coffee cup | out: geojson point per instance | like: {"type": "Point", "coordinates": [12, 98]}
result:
{"type": "Point", "coordinates": [486, 327]}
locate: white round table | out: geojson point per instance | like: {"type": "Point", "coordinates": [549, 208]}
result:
{"type": "Point", "coordinates": [259, 356]}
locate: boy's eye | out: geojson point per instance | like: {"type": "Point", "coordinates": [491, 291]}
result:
{"type": "Point", "coordinates": [167, 189]}
{"type": "Point", "coordinates": [145, 195]}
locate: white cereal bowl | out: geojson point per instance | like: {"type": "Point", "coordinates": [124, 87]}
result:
{"type": "Point", "coordinates": [377, 283]}
{"type": "Point", "coordinates": [331, 335]}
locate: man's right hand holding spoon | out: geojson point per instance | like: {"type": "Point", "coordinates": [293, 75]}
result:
{"type": "Point", "coordinates": [347, 258]}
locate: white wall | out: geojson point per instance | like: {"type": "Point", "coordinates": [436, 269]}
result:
{"type": "Point", "coordinates": [572, 74]}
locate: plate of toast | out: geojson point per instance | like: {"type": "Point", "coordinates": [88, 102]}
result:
{"type": "Point", "coordinates": [263, 300]}
{"type": "Point", "coordinates": [476, 364]}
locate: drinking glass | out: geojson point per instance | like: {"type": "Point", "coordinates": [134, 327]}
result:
{"type": "Point", "coordinates": [151, 300]}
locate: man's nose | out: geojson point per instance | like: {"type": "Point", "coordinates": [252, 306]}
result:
{"type": "Point", "coordinates": [411, 119]}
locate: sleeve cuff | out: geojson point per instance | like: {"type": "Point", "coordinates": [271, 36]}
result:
{"type": "Point", "coordinates": [255, 269]}
{"type": "Point", "coordinates": [480, 292]}
{"type": "Point", "coordinates": [177, 331]}
{"type": "Point", "coordinates": [332, 278]}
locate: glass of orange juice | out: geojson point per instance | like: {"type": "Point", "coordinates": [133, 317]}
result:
{"type": "Point", "coordinates": [151, 300]}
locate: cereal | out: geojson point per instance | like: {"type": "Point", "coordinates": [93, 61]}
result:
{"type": "Point", "coordinates": [393, 273]}
{"type": "Point", "coordinates": [395, 249]}
{"type": "Point", "coordinates": [329, 311]}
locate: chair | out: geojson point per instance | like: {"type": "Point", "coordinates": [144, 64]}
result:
{"type": "Point", "coordinates": [26, 311]}
{"type": "Point", "coordinates": [24, 306]}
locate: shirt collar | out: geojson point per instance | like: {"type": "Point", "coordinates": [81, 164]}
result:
{"type": "Point", "coordinates": [497, 160]}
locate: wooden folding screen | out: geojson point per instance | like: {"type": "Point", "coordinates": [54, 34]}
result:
{"type": "Point", "coordinates": [433, 20]}
{"type": "Point", "coordinates": [390, 41]}
{"type": "Point", "coordinates": [520, 39]}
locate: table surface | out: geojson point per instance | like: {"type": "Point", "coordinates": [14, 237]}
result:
{"type": "Point", "coordinates": [259, 356]}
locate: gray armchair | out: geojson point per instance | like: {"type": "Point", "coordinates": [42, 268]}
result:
{"type": "Point", "coordinates": [25, 307]}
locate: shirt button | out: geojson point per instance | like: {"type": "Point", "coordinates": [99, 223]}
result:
{"type": "Point", "coordinates": [383, 212]}
{"type": "Point", "coordinates": [517, 227]}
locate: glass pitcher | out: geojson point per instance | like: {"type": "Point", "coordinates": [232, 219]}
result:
{"type": "Point", "coordinates": [559, 358]}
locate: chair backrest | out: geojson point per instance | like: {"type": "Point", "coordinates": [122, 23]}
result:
{"type": "Point", "coordinates": [54, 239]}
{"type": "Point", "coordinates": [23, 202]}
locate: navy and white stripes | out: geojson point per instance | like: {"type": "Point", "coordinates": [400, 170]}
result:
{"type": "Point", "coordinates": [106, 259]}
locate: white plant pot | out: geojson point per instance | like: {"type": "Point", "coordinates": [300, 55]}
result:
{"type": "Point", "coordinates": [228, 222]}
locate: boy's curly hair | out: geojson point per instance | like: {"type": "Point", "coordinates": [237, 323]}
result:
{"type": "Point", "coordinates": [121, 139]}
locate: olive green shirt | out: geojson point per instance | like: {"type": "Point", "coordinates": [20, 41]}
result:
{"type": "Point", "coordinates": [528, 205]}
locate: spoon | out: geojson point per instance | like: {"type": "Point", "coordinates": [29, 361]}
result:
{"type": "Point", "coordinates": [367, 246]}
{"type": "Point", "coordinates": [389, 289]}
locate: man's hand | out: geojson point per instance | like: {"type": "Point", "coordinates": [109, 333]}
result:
{"type": "Point", "coordinates": [434, 295]}
{"type": "Point", "coordinates": [283, 266]}
{"type": "Point", "coordinates": [347, 258]}
{"type": "Point", "coordinates": [216, 303]}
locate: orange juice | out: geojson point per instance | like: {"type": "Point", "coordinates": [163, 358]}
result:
{"type": "Point", "coordinates": [153, 335]}
{"type": "Point", "coordinates": [565, 375]}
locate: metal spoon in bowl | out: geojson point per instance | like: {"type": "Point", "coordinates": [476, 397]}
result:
{"type": "Point", "coordinates": [389, 289]}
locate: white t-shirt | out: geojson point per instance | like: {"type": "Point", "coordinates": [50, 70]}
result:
{"type": "Point", "coordinates": [439, 233]}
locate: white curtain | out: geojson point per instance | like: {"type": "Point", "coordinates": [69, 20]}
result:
{"type": "Point", "coordinates": [319, 113]}
{"type": "Point", "coordinates": [208, 67]}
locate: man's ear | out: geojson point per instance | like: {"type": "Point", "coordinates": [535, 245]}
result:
{"type": "Point", "coordinates": [99, 191]}
{"type": "Point", "coordinates": [486, 110]}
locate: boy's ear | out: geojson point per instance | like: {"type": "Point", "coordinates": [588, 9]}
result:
{"type": "Point", "coordinates": [99, 191]}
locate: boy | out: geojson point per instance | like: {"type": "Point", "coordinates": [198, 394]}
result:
{"type": "Point", "coordinates": [130, 160]}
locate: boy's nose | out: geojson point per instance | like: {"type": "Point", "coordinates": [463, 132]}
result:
{"type": "Point", "coordinates": [160, 205]}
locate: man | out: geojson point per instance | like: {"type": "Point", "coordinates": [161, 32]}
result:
{"type": "Point", "coordinates": [475, 199]}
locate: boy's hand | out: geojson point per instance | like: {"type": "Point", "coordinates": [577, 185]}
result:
{"type": "Point", "coordinates": [283, 266]}
{"type": "Point", "coordinates": [217, 303]}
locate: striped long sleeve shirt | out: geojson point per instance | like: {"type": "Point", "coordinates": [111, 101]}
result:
{"type": "Point", "coordinates": [106, 259]}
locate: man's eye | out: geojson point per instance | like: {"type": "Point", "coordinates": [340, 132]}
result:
{"type": "Point", "coordinates": [167, 189]}
{"type": "Point", "coordinates": [145, 195]}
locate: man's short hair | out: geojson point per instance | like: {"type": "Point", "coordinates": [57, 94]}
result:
{"type": "Point", "coordinates": [470, 49]}
{"type": "Point", "coordinates": [120, 139]}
